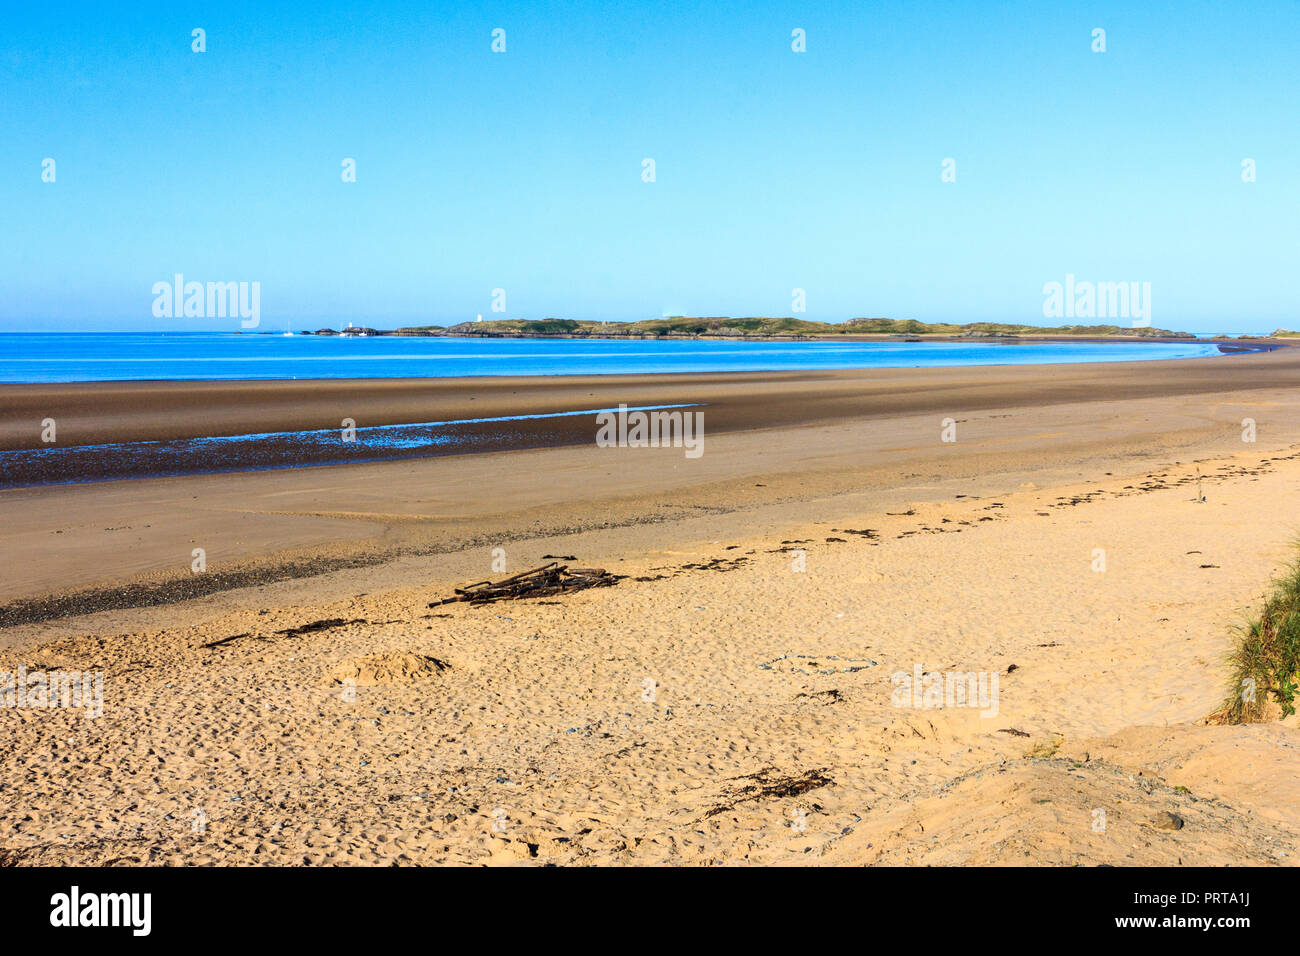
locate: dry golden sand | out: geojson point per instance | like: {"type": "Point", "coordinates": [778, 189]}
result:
{"type": "Point", "coordinates": [726, 708]}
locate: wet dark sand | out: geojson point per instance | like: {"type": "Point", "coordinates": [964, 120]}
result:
{"type": "Point", "coordinates": [108, 412]}
{"type": "Point", "coordinates": [782, 441]}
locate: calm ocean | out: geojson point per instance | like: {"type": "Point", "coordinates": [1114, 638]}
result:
{"type": "Point", "coordinates": [91, 357]}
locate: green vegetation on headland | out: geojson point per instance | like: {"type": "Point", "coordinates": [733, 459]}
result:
{"type": "Point", "coordinates": [1266, 661]}
{"type": "Point", "coordinates": [763, 327]}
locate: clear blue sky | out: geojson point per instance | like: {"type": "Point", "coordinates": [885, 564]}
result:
{"type": "Point", "coordinates": [522, 170]}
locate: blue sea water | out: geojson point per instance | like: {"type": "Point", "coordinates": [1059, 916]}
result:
{"type": "Point", "coordinates": [93, 357]}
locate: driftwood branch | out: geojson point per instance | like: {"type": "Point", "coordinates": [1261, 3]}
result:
{"type": "Point", "coordinates": [549, 579]}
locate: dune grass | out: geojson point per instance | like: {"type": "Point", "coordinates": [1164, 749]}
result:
{"type": "Point", "coordinates": [1266, 660]}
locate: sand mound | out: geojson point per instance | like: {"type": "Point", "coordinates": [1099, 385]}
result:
{"type": "Point", "coordinates": [375, 669]}
{"type": "Point", "coordinates": [1055, 812]}
{"type": "Point", "coordinates": [1146, 796]}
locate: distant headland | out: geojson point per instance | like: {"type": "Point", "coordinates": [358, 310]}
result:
{"type": "Point", "coordinates": [723, 327]}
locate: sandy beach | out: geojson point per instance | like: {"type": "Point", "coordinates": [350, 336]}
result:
{"type": "Point", "coordinates": [734, 697]}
